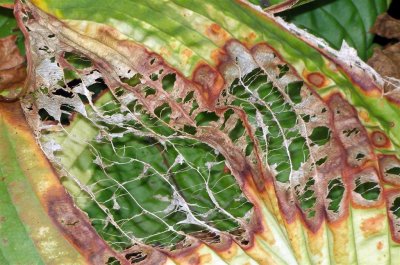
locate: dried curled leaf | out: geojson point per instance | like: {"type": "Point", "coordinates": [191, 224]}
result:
{"type": "Point", "coordinates": [386, 61]}
{"type": "Point", "coordinates": [387, 26]}
{"type": "Point", "coordinates": [12, 64]}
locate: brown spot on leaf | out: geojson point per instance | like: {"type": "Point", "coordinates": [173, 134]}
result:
{"type": "Point", "coordinates": [75, 226]}
{"type": "Point", "coordinates": [316, 79]}
{"type": "Point", "coordinates": [186, 54]}
{"type": "Point", "coordinates": [206, 258]}
{"type": "Point", "coordinates": [379, 139]}
{"type": "Point", "coordinates": [379, 246]}
{"type": "Point", "coordinates": [211, 84]}
{"type": "Point", "coordinates": [217, 34]}
{"type": "Point", "coordinates": [364, 115]}
{"type": "Point", "coordinates": [251, 37]}
{"type": "Point", "coordinates": [373, 225]}
{"type": "Point", "coordinates": [195, 260]}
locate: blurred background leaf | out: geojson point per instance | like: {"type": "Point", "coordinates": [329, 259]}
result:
{"type": "Point", "coordinates": [338, 20]}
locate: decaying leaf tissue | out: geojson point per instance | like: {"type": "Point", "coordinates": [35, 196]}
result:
{"type": "Point", "coordinates": [167, 132]}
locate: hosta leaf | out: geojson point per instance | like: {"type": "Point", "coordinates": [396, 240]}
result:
{"type": "Point", "coordinates": [37, 217]}
{"type": "Point", "coordinates": [335, 21]}
{"type": "Point", "coordinates": [213, 133]}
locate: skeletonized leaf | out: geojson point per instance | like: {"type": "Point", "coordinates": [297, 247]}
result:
{"type": "Point", "coordinates": [39, 223]}
{"type": "Point", "coordinates": [213, 133]}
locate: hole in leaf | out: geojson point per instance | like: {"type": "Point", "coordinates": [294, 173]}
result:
{"type": "Point", "coordinates": [306, 118]}
{"type": "Point", "coordinates": [245, 242]}
{"type": "Point", "coordinates": [188, 97]}
{"type": "Point", "coordinates": [97, 88]}
{"type": "Point", "coordinates": [293, 90]}
{"type": "Point", "coordinates": [113, 261]}
{"type": "Point", "coordinates": [195, 106]}
{"type": "Point", "coordinates": [298, 152]}
{"type": "Point", "coordinates": [350, 132]}
{"type": "Point", "coordinates": [136, 257]}
{"type": "Point", "coordinates": [63, 93]}
{"type": "Point", "coordinates": [360, 156]}
{"type": "Point", "coordinates": [189, 129]}
{"type": "Point", "coordinates": [154, 77]}
{"type": "Point", "coordinates": [168, 82]}
{"type": "Point", "coordinates": [321, 161]}
{"type": "Point", "coordinates": [163, 112]}
{"type": "Point", "coordinates": [307, 198]}
{"type": "Point", "coordinates": [119, 92]}
{"type": "Point", "coordinates": [249, 148]}
{"type": "Point", "coordinates": [204, 118]}
{"type": "Point", "coordinates": [368, 190]}
{"type": "Point", "coordinates": [44, 115]}
{"type": "Point", "coordinates": [77, 61]}
{"type": "Point", "coordinates": [393, 171]}
{"type": "Point", "coordinates": [395, 208]}
{"type": "Point", "coordinates": [335, 195]}
{"type": "Point", "coordinates": [283, 69]}
{"type": "Point", "coordinates": [73, 83]}
{"type": "Point", "coordinates": [133, 81]}
{"type": "Point", "coordinates": [320, 135]}
{"type": "Point", "coordinates": [149, 91]}
{"type": "Point", "coordinates": [237, 131]}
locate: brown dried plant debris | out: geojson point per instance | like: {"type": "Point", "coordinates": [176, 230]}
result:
{"type": "Point", "coordinates": [12, 64]}
{"type": "Point", "coordinates": [386, 60]}
{"type": "Point", "coordinates": [387, 26]}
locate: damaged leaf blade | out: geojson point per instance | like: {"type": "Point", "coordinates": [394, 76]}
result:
{"type": "Point", "coordinates": [241, 139]}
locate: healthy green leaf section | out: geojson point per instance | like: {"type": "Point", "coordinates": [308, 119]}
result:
{"type": "Point", "coordinates": [14, 235]}
{"type": "Point", "coordinates": [335, 21]}
{"type": "Point", "coordinates": [27, 234]}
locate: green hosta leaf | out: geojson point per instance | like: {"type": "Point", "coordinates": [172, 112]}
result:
{"type": "Point", "coordinates": [213, 133]}
{"type": "Point", "coordinates": [339, 20]}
